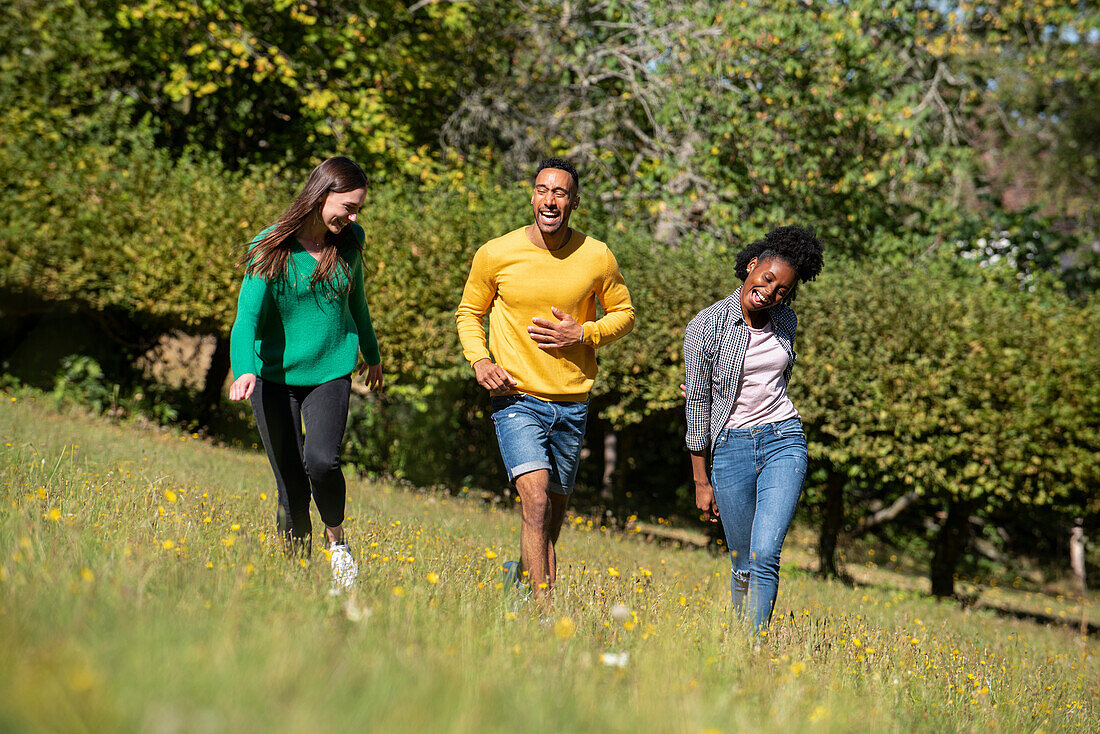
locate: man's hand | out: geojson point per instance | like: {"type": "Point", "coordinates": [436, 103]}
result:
{"type": "Point", "coordinates": [493, 377]}
{"type": "Point", "coordinates": [242, 387]}
{"type": "Point", "coordinates": [554, 335]}
{"type": "Point", "coordinates": [704, 500]}
{"type": "Point", "coordinates": [374, 375]}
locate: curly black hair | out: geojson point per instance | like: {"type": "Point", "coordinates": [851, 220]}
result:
{"type": "Point", "coordinates": [796, 246]}
{"type": "Point", "coordinates": [562, 165]}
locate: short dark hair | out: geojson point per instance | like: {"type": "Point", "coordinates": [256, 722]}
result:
{"type": "Point", "coordinates": [562, 165]}
{"type": "Point", "coordinates": [796, 246]}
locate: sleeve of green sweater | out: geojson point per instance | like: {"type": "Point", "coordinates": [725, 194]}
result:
{"type": "Point", "coordinates": [357, 302]}
{"type": "Point", "coordinates": [242, 339]}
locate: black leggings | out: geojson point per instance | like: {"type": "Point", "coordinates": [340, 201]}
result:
{"type": "Point", "coordinates": [301, 462]}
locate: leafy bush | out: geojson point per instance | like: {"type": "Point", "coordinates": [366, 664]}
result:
{"type": "Point", "coordinates": [950, 381]}
{"type": "Point", "coordinates": [81, 381]}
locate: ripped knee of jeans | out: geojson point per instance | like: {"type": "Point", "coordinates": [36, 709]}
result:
{"type": "Point", "coordinates": [741, 577]}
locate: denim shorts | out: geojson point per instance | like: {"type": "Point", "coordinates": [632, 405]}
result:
{"type": "Point", "coordinates": [539, 434]}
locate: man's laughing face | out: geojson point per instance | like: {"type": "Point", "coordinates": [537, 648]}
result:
{"type": "Point", "coordinates": [554, 199]}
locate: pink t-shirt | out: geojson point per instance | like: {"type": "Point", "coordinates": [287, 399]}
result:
{"type": "Point", "coordinates": [763, 396]}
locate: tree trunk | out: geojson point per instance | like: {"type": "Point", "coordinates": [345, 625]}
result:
{"type": "Point", "coordinates": [623, 446]}
{"type": "Point", "coordinates": [610, 461]}
{"type": "Point", "coordinates": [215, 379]}
{"type": "Point", "coordinates": [948, 547]}
{"type": "Point", "coordinates": [1077, 553]}
{"type": "Point", "coordinates": [832, 522]}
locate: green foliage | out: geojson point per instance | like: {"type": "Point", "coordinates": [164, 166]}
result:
{"type": "Point", "coordinates": [81, 381]}
{"type": "Point", "coordinates": [699, 120]}
{"type": "Point", "coordinates": [1038, 68]}
{"type": "Point", "coordinates": [416, 260]}
{"type": "Point", "coordinates": [130, 228]}
{"type": "Point", "coordinates": [54, 63]}
{"type": "Point", "coordinates": [951, 380]}
{"type": "Point", "coordinates": [82, 378]}
{"type": "Point", "coordinates": [438, 434]}
{"type": "Point", "coordinates": [722, 122]}
{"type": "Point", "coordinates": [809, 116]}
{"type": "Point", "coordinates": [289, 81]}
{"type": "Point", "coordinates": [1033, 245]}
{"type": "Point", "coordinates": [639, 374]}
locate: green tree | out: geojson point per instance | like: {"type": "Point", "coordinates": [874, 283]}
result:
{"type": "Point", "coordinates": [725, 120]}
{"type": "Point", "coordinates": [951, 383]}
{"type": "Point", "coordinates": [285, 81]}
{"type": "Point", "coordinates": [55, 59]}
{"type": "Point", "coordinates": [1034, 74]}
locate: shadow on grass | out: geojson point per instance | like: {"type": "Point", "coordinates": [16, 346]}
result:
{"type": "Point", "coordinates": [966, 601]}
{"type": "Point", "coordinates": [1083, 625]}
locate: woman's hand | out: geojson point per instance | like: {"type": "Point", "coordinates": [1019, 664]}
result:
{"type": "Point", "coordinates": [374, 375]}
{"type": "Point", "coordinates": [704, 500]}
{"type": "Point", "coordinates": [683, 391]}
{"type": "Point", "coordinates": [242, 387]}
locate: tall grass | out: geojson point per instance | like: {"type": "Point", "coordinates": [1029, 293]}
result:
{"type": "Point", "coordinates": [141, 590]}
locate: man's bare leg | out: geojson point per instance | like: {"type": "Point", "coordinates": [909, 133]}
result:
{"type": "Point", "coordinates": [534, 531]}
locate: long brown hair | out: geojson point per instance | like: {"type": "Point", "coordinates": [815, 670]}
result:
{"type": "Point", "coordinates": [269, 257]}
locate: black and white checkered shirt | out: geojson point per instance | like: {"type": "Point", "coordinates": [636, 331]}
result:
{"type": "Point", "coordinates": [714, 354]}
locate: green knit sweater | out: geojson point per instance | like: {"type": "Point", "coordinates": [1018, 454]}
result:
{"type": "Point", "coordinates": [292, 334]}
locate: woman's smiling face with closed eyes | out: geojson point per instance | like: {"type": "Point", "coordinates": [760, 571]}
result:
{"type": "Point", "coordinates": [340, 209]}
{"type": "Point", "coordinates": [768, 283]}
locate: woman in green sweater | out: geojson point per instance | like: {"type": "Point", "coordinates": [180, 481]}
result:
{"type": "Point", "coordinates": [302, 320]}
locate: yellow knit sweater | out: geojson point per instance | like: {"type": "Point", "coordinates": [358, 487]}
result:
{"type": "Point", "coordinates": [513, 281]}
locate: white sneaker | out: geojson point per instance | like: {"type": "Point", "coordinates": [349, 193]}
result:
{"type": "Point", "coordinates": [344, 568]}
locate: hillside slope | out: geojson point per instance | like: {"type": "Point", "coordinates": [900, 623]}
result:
{"type": "Point", "coordinates": [141, 590]}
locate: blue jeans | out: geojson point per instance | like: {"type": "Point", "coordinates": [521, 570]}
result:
{"type": "Point", "coordinates": [538, 434]}
{"type": "Point", "coordinates": [757, 475]}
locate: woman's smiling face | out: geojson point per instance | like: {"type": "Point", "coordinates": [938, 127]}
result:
{"type": "Point", "coordinates": [768, 283]}
{"type": "Point", "coordinates": [340, 209]}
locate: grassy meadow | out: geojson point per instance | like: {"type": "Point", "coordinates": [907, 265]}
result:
{"type": "Point", "coordinates": [141, 590]}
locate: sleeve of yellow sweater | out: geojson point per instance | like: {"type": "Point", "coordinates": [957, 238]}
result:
{"type": "Point", "coordinates": [477, 299]}
{"type": "Point", "coordinates": [618, 318]}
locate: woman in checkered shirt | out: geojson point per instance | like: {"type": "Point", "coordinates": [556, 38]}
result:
{"type": "Point", "coordinates": [738, 355]}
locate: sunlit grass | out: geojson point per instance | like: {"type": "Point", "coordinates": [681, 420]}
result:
{"type": "Point", "coordinates": [141, 590]}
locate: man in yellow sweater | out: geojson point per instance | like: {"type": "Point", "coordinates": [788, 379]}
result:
{"type": "Point", "coordinates": [539, 285]}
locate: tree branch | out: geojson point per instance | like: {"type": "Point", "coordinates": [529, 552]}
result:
{"type": "Point", "coordinates": [424, 3]}
{"type": "Point", "coordinates": [884, 515]}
